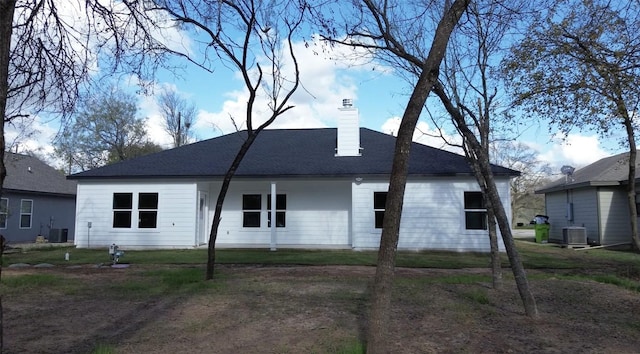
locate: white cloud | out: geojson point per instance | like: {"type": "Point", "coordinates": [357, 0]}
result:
{"type": "Point", "coordinates": [575, 149]}
{"type": "Point", "coordinates": [32, 135]}
{"type": "Point", "coordinates": [426, 135]}
{"type": "Point", "coordinates": [324, 83]}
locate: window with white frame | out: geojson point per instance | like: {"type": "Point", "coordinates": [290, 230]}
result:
{"type": "Point", "coordinates": [251, 209]}
{"type": "Point", "coordinates": [475, 211]}
{"type": "Point", "coordinates": [147, 210]}
{"type": "Point", "coordinates": [379, 202]}
{"type": "Point", "coordinates": [4, 212]}
{"type": "Point", "coordinates": [26, 213]}
{"type": "Point", "coordinates": [281, 210]}
{"type": "Point", "coordinates": [122, 209]}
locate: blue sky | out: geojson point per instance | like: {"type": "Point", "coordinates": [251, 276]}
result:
{"type": "Point", "coordinates": [377, 92]}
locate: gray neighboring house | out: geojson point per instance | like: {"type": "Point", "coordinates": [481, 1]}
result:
{"type": "Point", "coordinates": [37, 200]}
{"type": "Point", "coordinates": [593, 197]}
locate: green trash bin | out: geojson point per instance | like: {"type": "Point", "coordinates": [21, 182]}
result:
{"type": "Point", "coordinates": [542, 233]}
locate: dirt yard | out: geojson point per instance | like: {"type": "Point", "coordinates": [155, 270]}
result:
{"type": "Point", "coordinates": [319, 309]}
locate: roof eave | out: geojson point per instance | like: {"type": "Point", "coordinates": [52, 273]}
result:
{"type": "Point", "coordinates": [569, 186]}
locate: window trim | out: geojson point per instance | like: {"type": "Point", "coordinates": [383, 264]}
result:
{"type": "Point", "coordinates": [467, 210]}
{"type": "Point", "coordinates": [280, 210]}
{"type": "Point", "coordinates": [246, 210]}
{"type": "Point", "coordinates": [148, 210]}
{"type": "Point", "coordinates": [121, 211]}
{"type": "Point", "coordinates": [5, 212]}
{"type": "Point", "coordinates": [30, 213]}
{"type": "Point", "coordinates": [377, 211]}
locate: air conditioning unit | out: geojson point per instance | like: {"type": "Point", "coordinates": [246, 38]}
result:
{"type": "Point", "coordinates": [58, 235]}
{"type": "Point", "coordinates": [574, 236]}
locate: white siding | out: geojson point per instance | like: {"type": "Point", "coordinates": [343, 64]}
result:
{"type": "Point", "coordinates": [348, 132]}
{"type": "Point", "coordinates": [317, 214]}
{"type": "Point", "coordinates": [432, 218]}
{"type": "Point", "coordinates": [320, 213]}
{"type": "Point", "coordinates": [175, 222]}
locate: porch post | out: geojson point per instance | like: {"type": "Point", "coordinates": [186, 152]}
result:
{"type": "Point", "coordinates": [272, 211]}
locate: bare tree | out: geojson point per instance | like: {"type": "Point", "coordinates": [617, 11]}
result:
{"type": "Point", "coordinates": [579, 66]}
{"type": "Point", "coordinates": [240, 32]}
{"type": "Point", "coordinates": [50, 49]}
{"type": "Point", "coordinates": [533, 175]}
{"type": "Point", "coordinates": [396, 35]}
{"type": "Point", "coordinates": [378, 28]}
{"type": "Point", "coordinates": [178, 116]}
{"type": "Point", "coordinates": [7, 8]}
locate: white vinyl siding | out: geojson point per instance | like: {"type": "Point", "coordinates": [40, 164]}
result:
{"type": "Point", "coordinates": [320, 213]}
{"type": "Point", "coordinates": [432, 217]}
{"type": "Point", "coordinates": [176, 215]}
{"type": "Point", "coordinates": [317, 214]}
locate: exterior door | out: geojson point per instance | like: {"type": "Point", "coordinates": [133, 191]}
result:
{"type": "Point", "coordinates": [203, 222]}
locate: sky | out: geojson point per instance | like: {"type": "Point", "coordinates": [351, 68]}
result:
{"type": "Point", "coordinates": [378, 92]}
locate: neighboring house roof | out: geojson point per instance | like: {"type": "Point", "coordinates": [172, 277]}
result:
{"type": "Point", "coordinates": [29, 174]}
{"type": "Point", "coordinates": [287, 153]}
{"type": "Point", "coordinates": [609, 171]}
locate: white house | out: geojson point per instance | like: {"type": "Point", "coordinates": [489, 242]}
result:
{"type": "Point", "coordinates": [325, 188]}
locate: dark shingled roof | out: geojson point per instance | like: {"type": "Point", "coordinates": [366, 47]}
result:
{"type": "Point", "coordinates": [287, 153]}
{"type": "Point", "coordinates": [29, 174]}
{"type": "Point", "coordinates": [609, 171]}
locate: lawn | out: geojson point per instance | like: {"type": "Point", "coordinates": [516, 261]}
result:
{"type": "Point", "coordinates": [293, 301]}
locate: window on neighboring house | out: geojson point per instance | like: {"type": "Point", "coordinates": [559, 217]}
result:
{"type": "Point", "coordinates": [475, 211]}
{"type": "Point", "coordinates": [122, 208]}
{"type": "Point", "coordinates": [147, 210]}
{"type": "Point", "coordinates": [379, 202]}
{"type": "Point", "coordinates": [251, 207]}
{"type": "Point", "coordinates": [26, 212]}
{"type": "Point", "coordinates": [4, 212]}
{"type": "Point", "coordinates": [281, 208]}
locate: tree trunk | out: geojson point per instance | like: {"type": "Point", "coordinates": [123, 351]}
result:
{"type": "Point", "coordinates": [492, 194]}
{"type": "Point", "coordinates": [213, 235]}
{"type": "Point", "coordinates": [7, 8]}
{"type": "Point", "coordinates": [631, 186]}
{"type": "Point", "coordinates": [377, 337]}
{"type": "Point", "coordinates": [496, 263]}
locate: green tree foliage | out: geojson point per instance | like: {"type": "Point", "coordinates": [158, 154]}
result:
{"type": "Point", "coordinates": [579, 66]}
{"type": "Point", "coordinates": [105, 130]}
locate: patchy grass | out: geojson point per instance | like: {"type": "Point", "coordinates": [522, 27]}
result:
{"type": "Point", "coordinates": [165, 281]}
{"type": "Point", "coordinates": [104, 349]}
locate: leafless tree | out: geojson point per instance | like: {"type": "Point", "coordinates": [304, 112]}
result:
{"type": "Point", "coordinates": [534, 174]}
{"type": "Point", "coordinates": [397, 34]}
{"type": "Point", "coordinates": [387, 26]}
{"type": "Point", "coordinates": [240, 32]}
{"type": "Point", "coordinates": [178, 116]}
{"type": "Point", "coordinates": [51, 49]}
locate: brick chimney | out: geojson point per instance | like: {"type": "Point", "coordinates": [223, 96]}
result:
{"type": "Point", "coordinates": [348, 130]}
